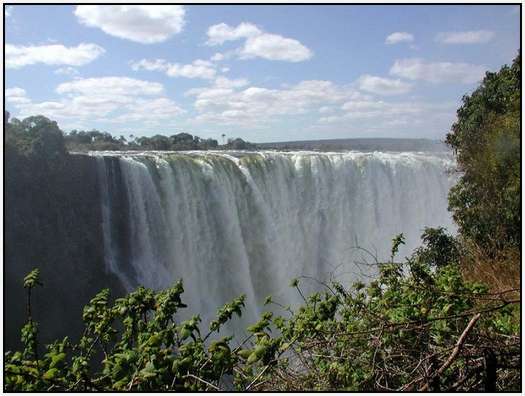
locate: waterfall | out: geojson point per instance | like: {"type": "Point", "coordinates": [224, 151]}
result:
{"type": "Point", "coordinates": [230, 223]}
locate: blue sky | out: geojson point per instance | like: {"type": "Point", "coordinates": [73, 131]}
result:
{"type": "Point", "coordinates": [263, 73]}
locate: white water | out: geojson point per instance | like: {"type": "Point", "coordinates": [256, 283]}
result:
{"type": "Point", "coordinates": [231, 223]}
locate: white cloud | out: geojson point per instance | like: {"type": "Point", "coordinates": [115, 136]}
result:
{"type": "Point", "coordinates": [221, 85]}
{"type": "Point", "coordinates": [148, 110]}
{"type": "Point", "coordinates": [472, 37]}
{"type": "Point", "coordinates": [377, 114]}
{"type": "Point", "coordinates": [18, 56]}
{"type": "Point", "coordinates": [383, 86]}
{"type": "Point", "coordinates": [8, 10]}
{"type": "Point", "coordinates": [317, 104]}
{"type": "Point", "coordinates": [218, 34]}
{"type": "Point", "coordinates": [197, 69]}
{"type": "Point", "coordinates": [109, 99]}
{"type": "Point", "coordinates": [16, 95]}
{"type": "Point", "coordinates": [224, 82]}
{"type": "Point", "coordinates": [437, 72]}
{"type": "Point", "coordinates": [399, 37]}
{"type": "Point", "coordinates": [14, 92]}
{"type": "Point", "coordinates": [217, 57]}
{"type": "Point", "coordinates": [227, 104]}
{"type": "Point", "coordinates": [258, 44]}
{"type": "Point", "coordinates": [110, 85]}
{"type": "Point", "coordinates": [364, 109]}
{"type": "Point", "coordinates": [150, 65]}
{"type": "Point", "coordinates": [327, 109]}
{"type": "Point", "coordinates": [144, 24]}
{"type": "Point", "coordinates": [67, 71]}
{"type": "Point", "coordinates": [275, 47]}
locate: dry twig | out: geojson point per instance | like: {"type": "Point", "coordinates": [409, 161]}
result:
{"type": "Point", "coordinates": [455, 352]}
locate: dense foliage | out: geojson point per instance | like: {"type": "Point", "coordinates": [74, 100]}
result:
{"type": "Point", "coordinates": [486, 202]}
{"type": "Point", "coordinates": [418, 326]}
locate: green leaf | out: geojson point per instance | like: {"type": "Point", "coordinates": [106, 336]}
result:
{"type": "Point", "coordinates": [32, 279]}
{"type": "Point", "coordinates": [149, 371]}
{"type": "Point", "coordinates": [50, 374]}
{"type": "Point", "coordinates": [56, 359]}
{"type": "Point", "coordinates": [253, 358]}
{"type": "Point", "coordinates": [185, 333]}
{"type": "Point", "coordinates": [245, 353]}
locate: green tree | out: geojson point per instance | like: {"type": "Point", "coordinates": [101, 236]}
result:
{"type": "Point", "coordinates": [486, 139]}
{"type": "Point", "coordinates": [36, 136]}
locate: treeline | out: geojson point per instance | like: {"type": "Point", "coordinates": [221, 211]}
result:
{"type": "Point", "coordinates": [95, 140]}
{"type": "Point", "coordinates": [39, 135]}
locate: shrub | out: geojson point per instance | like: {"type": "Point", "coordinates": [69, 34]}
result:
{"type": "Point", "coordinates": [418, 326]}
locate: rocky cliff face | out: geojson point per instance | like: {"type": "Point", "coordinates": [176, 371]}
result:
{"type": "Point", "coordinates": [53, 222]}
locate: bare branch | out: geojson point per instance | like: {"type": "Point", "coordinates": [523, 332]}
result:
{"type": "Point", "coordinates": [456, 350]}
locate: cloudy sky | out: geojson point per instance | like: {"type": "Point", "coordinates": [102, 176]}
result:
{"type": "Point", "coordinates": [263, 73]}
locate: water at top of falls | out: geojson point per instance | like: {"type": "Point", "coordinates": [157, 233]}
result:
{"type": "Point", "coordinates": [241, 153]}
{"type": "Point", "coordinates": [233, 222]}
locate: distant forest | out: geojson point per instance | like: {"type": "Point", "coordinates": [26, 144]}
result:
{"type": "Point", "coordinates": [38, 129]}
{"type": "Point", "coordinates": [95, 140]}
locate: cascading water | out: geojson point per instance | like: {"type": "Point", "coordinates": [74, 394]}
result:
{"type": "Point", "coordinates": [231, 223]}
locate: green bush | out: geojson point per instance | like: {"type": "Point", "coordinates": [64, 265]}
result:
{"type": "Point", "coordinates": [397, 333]}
